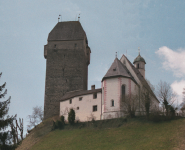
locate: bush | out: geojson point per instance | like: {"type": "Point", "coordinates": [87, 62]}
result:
{"type": "Point", "coordinates": [59, 124]}
{"type": "Point", "coordinates": [71, 117]}
{"type": "Point", "coordinates": [62, 119]}
{"type": "Point", "coordinates": [54, 126]}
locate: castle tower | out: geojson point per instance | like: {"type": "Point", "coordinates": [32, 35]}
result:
{"type": "Point", "coordinates": [67, 57]}
{"type": "Point", "coordinates": [139, 63]}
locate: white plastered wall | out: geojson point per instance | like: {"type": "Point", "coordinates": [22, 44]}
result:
{"type": "Point", "coordinates": [111, 90]}
{"type": "Point", "coordinates": [85, 111]}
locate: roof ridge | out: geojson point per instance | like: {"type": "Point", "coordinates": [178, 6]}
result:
{"type": "Point", "coordinates": [118, 66]}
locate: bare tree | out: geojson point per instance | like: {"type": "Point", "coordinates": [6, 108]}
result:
{"type": "Point", "coordinates": [17, 135]}
{"type": "Point", "coordinates": [36, 117]}
{"type": "Point", "coordinates": [182, 105]}
{"type": "Point", "coordinates": [129, 104]}
{"type": "Point", "coordinates": [146, 101]}
{"type": "Point", "coordinates": [166, 96]}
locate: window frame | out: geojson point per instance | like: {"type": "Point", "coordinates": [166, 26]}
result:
{"type": "Point", "coordinates": [95, 108]}
{"type": "Point", "coordinates": [95, 95]}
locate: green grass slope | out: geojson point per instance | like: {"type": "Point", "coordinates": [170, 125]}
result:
{"type": "Point", "coordinates": [131, 135]}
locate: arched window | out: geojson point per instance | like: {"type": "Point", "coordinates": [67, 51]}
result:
{"type": "Point", "coordinates": [123, 92]}
{"type": "Point", "coordinates": [112, 103]}
{"type": "Point", "coordinates": [137, 65]}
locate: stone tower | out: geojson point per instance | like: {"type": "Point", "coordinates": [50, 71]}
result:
{"type": "Point", "coordinates": [67, 57]}
{"type": "Point", "coordinates": [139, 63]}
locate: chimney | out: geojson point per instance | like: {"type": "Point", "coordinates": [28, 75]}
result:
{"type": "Point", "coordinates": [92, 87]}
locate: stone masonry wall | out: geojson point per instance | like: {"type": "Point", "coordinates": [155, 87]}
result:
{"type": "Point", "coordinates": [66, 70]}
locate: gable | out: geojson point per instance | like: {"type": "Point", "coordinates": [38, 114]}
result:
{"type": "Point", "coordinates": [118, 69]}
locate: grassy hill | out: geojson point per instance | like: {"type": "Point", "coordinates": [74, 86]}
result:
{"type": "Point", "coordinates": [135, 134]}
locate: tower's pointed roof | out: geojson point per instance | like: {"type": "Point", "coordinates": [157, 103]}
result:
{"type": "Point", "coordinates": [70, 30]}
{"type": "Point", "coordinates": [139, 59]}
{"type": "Point", "coordinates": [117, 69]}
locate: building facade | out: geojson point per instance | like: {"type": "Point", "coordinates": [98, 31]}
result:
{"type": "Point", "coordinates": [67, 57]}
{"type": "Point", "coordinates": [122, 80]}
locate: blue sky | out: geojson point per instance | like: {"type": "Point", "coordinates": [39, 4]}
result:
{"type": "Point", "coordinates": [157, 27]}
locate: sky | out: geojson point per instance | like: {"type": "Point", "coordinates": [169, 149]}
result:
{"type": "Point", "coordinates": [156, 26]}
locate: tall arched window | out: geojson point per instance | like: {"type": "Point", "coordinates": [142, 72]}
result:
{"type": "Point", "coordinates": [123, 92]}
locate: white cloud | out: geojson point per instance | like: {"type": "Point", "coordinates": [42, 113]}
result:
{"type": "Point", "coordinates": [173, 60]}
{"type": "Point", "coordinates": [177, 87]}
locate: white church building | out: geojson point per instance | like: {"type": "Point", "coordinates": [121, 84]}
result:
{"type": "Point", "coordinates": [122, 78]}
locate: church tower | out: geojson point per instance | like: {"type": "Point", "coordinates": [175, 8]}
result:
{"type": "Point", "coordinates": [67, 57]}
{"type": "Point", "coordinates": [139, 63]}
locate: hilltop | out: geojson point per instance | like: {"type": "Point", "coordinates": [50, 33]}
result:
{"type": "Point", "coordinates": [113, 134]}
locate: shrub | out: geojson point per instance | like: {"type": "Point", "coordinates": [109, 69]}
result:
{"type": "Point", "coordinates": [59, 124]}
{"type": "Point", "coordinates": [71, 117]}
{"type": "Point", "coordinates": [62, 119]}
{"type": "Point", "coordinates": [54, 126]}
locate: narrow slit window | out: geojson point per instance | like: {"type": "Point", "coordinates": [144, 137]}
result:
{"type": "Point", "coordinates": [70, 101]}
{"type": "Point", "coordinates": [112, 103]}
{"type": "Point", "coordinates": [123, 92]}
{"type": "Point", "coordinates": [137, 65]}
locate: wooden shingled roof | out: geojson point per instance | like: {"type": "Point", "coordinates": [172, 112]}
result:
{"type": "Point", "coordinates": [71, 30]}
{"type": "Point", "coordinates": [73, 94]}
{"type": "Point", "coordinates": [118, 69]}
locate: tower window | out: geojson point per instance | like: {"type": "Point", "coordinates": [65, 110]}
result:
{"type": "Point", "coordinates": [70, 101]}
{"type": "Point", "coordinates": [123, 92]}
{"type": "Point", "coordinates": [112, 103]}
{"type": "Point", "coordinates": [95, 108]}
{"type": "Point", "coordinates": [137, 65]}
